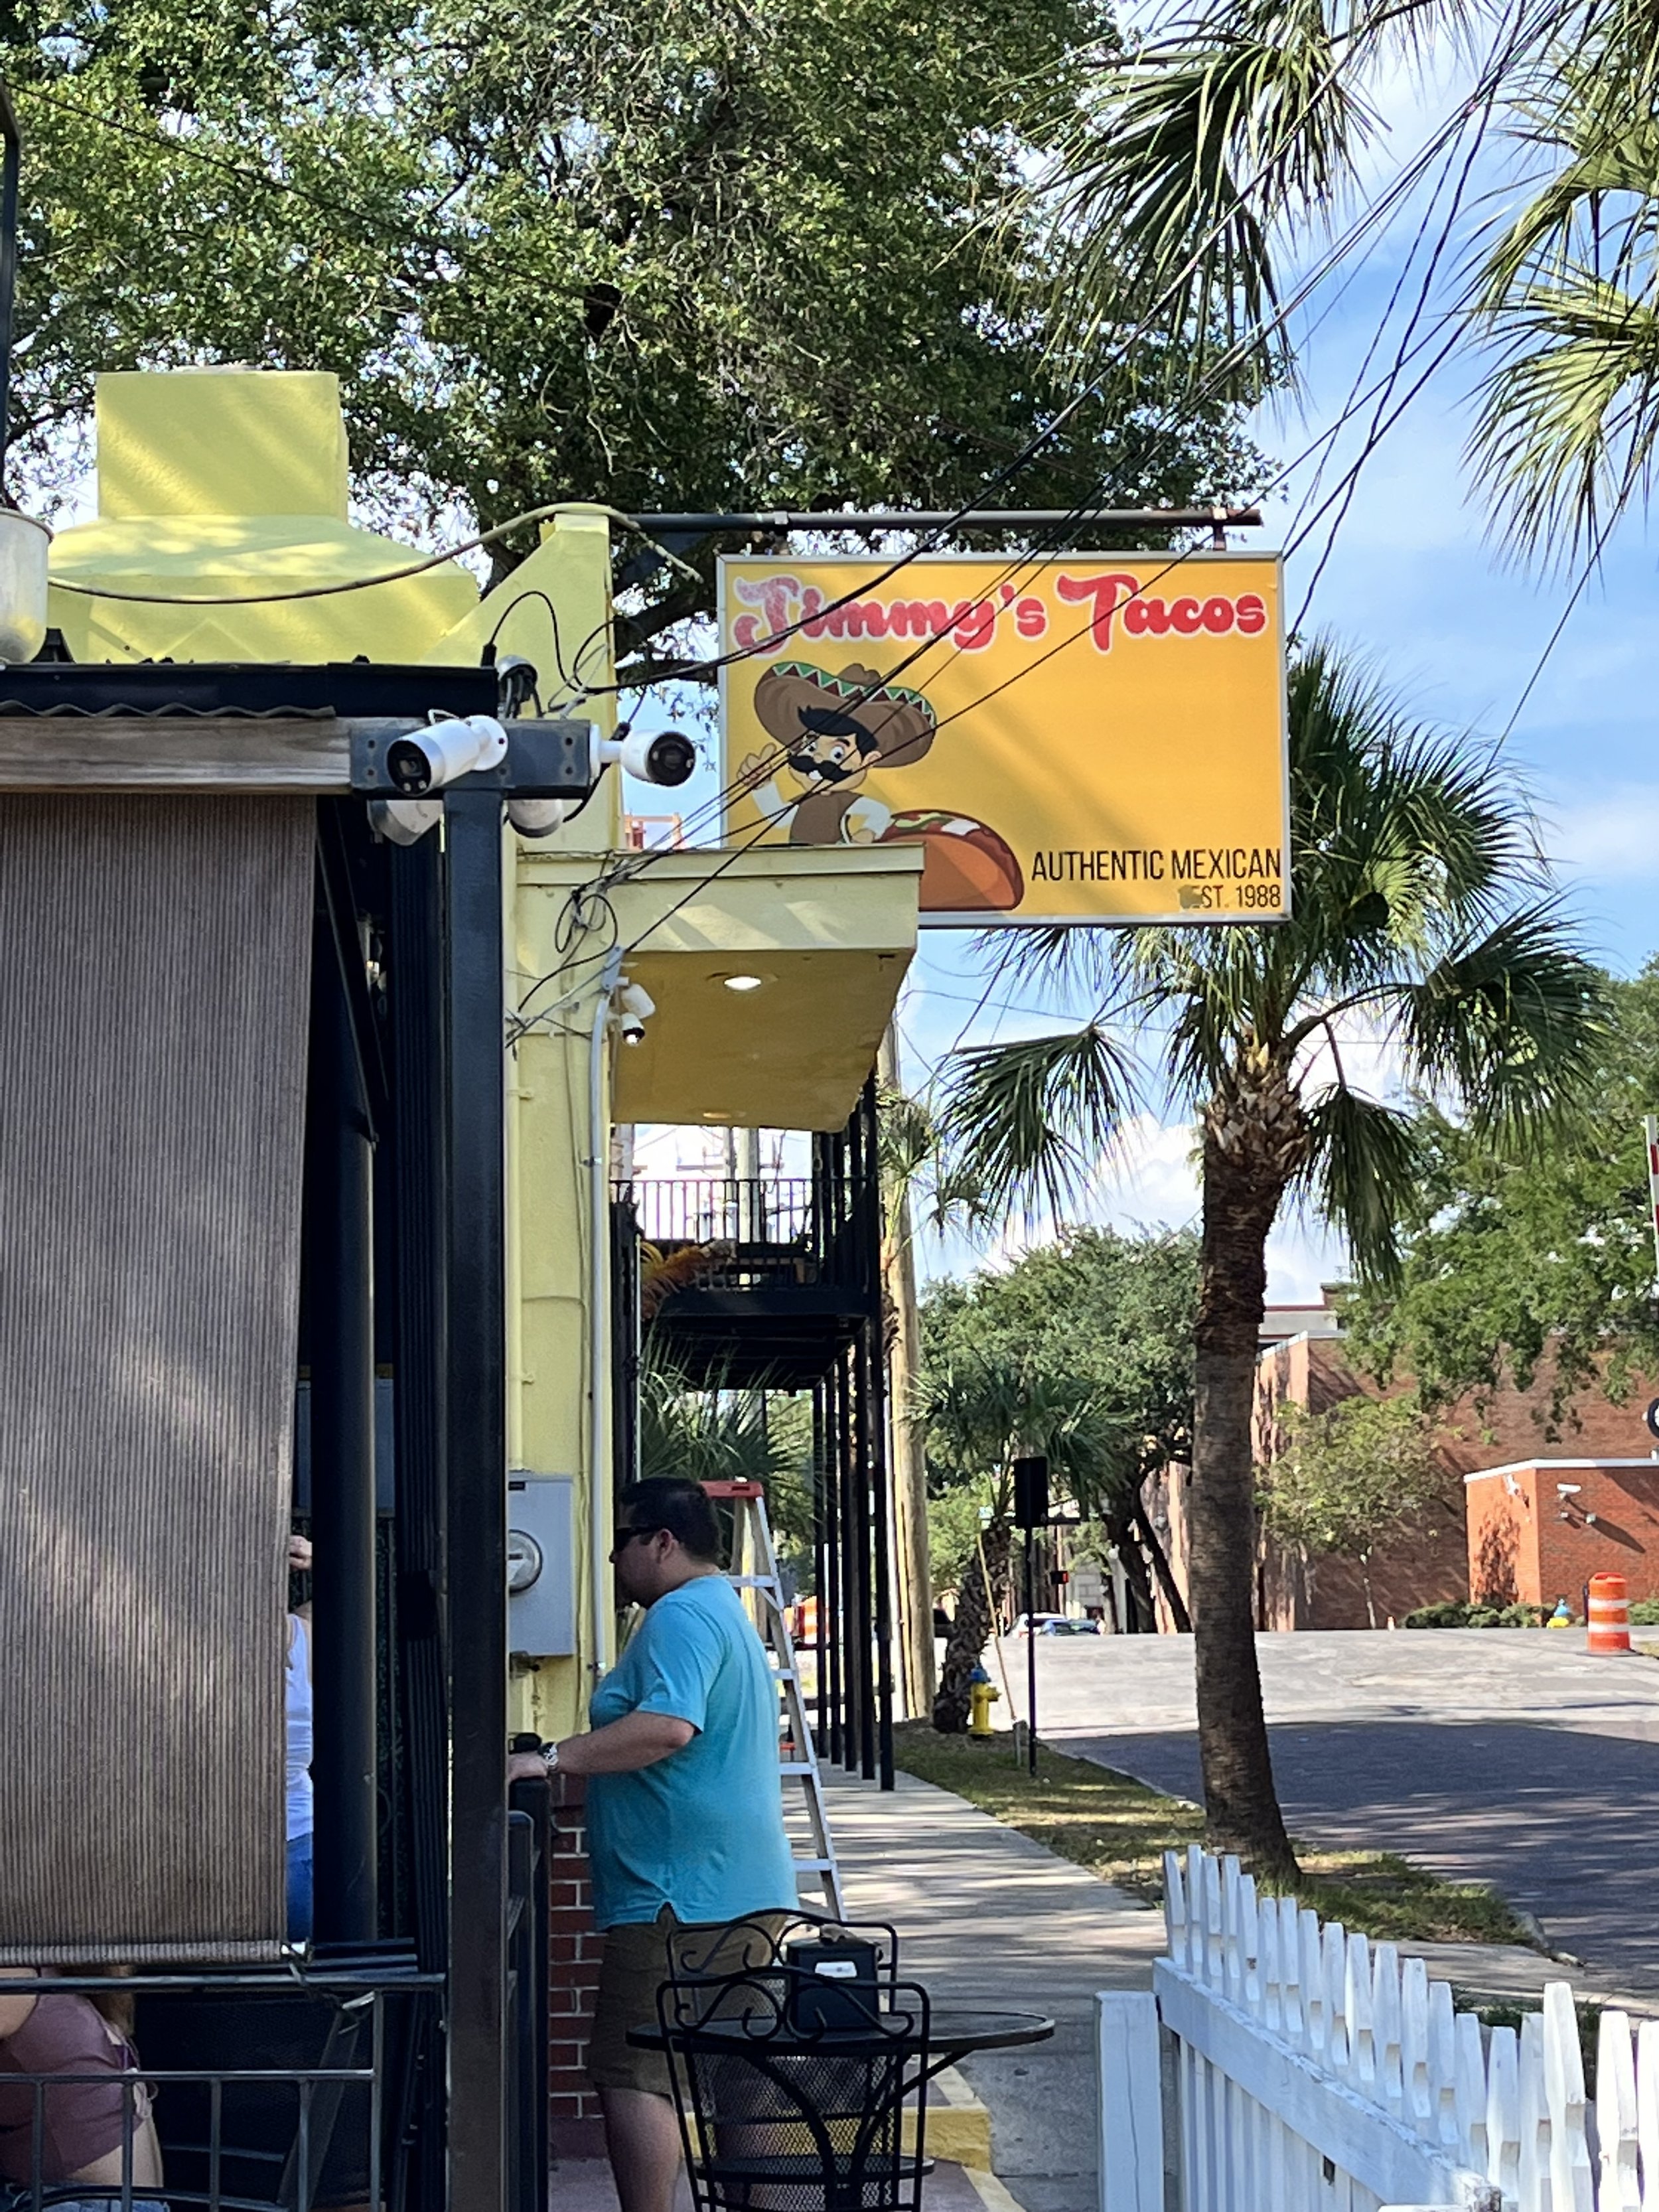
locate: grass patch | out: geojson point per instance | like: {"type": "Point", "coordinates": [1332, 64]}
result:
{"type": "Point", "coordinates": [1497, 2012]}
{"type": "Point", "coordinates": [1120, 1829]}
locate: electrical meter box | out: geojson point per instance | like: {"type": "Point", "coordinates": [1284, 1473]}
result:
{"type": "Point", "coordinates": [541, 1565]}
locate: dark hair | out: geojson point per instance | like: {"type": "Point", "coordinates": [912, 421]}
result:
{"type": "Point", "coordinates": [666, 1501]}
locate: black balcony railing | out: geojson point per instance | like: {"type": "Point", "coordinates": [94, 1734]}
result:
{"type": "Point", "coordinates": [736, 1210]}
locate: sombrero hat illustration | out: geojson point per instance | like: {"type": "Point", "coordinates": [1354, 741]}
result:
{"type": "Point", "coordinates": [796, 700]}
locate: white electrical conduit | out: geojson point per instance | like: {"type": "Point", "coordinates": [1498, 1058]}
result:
{"type": "Point", "coordinates": [598, 1314]}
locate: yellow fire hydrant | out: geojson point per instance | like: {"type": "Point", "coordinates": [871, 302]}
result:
{"type": "Point", "coordinates": [982, 1694]}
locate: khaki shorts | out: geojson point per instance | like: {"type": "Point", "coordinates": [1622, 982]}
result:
{"type": "Point", "coordinates": [634, 1968]}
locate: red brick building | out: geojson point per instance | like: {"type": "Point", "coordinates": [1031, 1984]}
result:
{"type": "Point", "coordinates": [1430, 1561]}
{"type": "Point", "coordinates": [1539, 1529]}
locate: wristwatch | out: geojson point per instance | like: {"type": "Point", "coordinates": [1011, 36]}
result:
{"type": "Point", "coordinates": [551, 1757]}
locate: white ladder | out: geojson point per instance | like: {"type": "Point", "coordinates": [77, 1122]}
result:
{"type": "Point", "coordinates": [755, 1576]}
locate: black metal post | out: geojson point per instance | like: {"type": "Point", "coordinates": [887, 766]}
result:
{"type": "Point", "coordinates": [476, 1506]}
{"type": "Point", "coordinates": [10, 174]}
{"type": "Point", "coordinates": [419, 1351]}
{"type": "Point", "coordinates": [340, 1332]}
{"type": "Point", "coordinates": [786, 520]}
{"type": "Point", "coordinates": [864, 1611]}
{"type": "Point", "coordinates": [873, 1439]}
{"type": "Point", "coordinates": [1031, 1649]}
{"type": "Point", "coordinates": [853, 1664]}
{"type": "Point", "coordinates": [831, 1608]}
{"type": "Point", "coordinates": [820, 1580]}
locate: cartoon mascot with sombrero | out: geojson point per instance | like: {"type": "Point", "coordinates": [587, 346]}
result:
{"type": "Point", "coordinates": [830, 732]}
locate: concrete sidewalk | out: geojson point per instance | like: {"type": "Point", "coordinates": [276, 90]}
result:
{"type": "Point", "coordinates": [985, 1917]}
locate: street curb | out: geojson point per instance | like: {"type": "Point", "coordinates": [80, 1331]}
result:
{"type": "Point", "coordinates": [959, 2130]}
{"type": "Point", "coordinates": [994, 2194]}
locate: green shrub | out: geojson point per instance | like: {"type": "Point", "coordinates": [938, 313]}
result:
{"type": "Point", "coordinates": [1455, 1612]}
{"type": "Point", "coordinates": [1644, 1613]}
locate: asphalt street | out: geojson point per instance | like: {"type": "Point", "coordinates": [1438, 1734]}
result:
{"type": "Point", "coordinates": [1507, 1756]}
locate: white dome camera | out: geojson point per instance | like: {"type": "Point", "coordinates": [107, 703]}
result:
{"type": "Point", "coordinates": [539, 817]}
{"type": "Point", "coordinates": [406, 821]}
{"type": "Point", "coordinates": [635, 1006]}
{"type": "Point", "coordinates": [667, 757]}
{"type": "Point", "coordinates": [447, 749]}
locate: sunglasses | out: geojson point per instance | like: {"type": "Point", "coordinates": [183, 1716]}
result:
{"type": "Point", "coordinates": [625, 1537]}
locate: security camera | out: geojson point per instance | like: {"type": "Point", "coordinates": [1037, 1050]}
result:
{"type": "Point", "coordinates": [667, 758]}
{"type": "Point", "coordinates": [539, 817]}
{"type": "Point", "coordinates": [634, 1009]}
{"type": "Point", "coordinates": [404, 821]}
{"type": "Point", "coordinates": [516, 678]}
{"type": "Point", "coordinates": [447, 749]}
{"type": "Point", "coordinates": [1569, 1489]}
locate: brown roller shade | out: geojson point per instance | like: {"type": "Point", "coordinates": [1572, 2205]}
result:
{"type": "Point", "coordinates": [154, 958]}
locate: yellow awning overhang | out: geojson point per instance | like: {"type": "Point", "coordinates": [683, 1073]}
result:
{"type": "Point", "coordinates": [774, 972]}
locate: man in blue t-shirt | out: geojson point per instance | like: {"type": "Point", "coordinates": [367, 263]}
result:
{"type": "Point", "coordinates": [684, 1809]}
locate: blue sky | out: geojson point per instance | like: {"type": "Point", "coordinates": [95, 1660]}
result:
{"type": "Point", "coordinates": [1413, 582]}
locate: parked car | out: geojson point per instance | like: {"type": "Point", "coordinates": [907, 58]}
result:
{"type": "Point", "coordinates": [1055, 1624]}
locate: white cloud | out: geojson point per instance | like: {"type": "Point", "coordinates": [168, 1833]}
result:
{"type": "Point", "coordinates": [1150, 1182]}
{"type": "Point", "coordinates": [1613, 837]}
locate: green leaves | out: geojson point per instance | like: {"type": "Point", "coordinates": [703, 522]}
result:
{"type": "Point", "coordinates": [1423, 935]}
{"type": "Point", "coordinates": [1205, 156]}
{"type": "Point", "coordinates": [1111, 1312]}
{"type": "Point", "coordinates": [1364, 1159]}
{"type": "Point", "coordinates": [698, 256]}
{"type": "Point", "coordinates": [1511, 1261]}
{"type": "Point", "coordinates": [1346, 1480]}
{"type": "Point", "coordinates": [1564, 296]}
{"type": "Point", "coordinates": [1193, 148]}
{"type": "Point", "coordinates": [1510, 1025]}
{"type": "Point", "coordinates": [1032, 1119]}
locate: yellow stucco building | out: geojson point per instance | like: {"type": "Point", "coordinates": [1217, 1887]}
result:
{"type": "Point", "coordinates": [232, 485]}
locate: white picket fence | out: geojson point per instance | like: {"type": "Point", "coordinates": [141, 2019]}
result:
{"type": "Point", "coordinates": [1281, 2064]}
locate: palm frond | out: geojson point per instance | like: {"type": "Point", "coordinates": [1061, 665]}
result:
{"type": "Point", "coordinates": [1063, 965]}
{"type": "Point", "coordinates": [1364, 1166]}
{"type": "Point", "coordinates": [1194, 150]}
{"type": "Point", "coordinates": [1390, 810]}
{"type": "Point", "coordinates": [1511, 1027]}
{"type": "Point", "coordinates": [982, 1410]}
{"type": "Point", "coordinates": [909, 1140]}
{"type": "Point", "coordinates": [1028, 1122]}
{"type": "Point", "coordinates": [1567, 432]}
{"type": "Point", "coordinates": [707, 1433]}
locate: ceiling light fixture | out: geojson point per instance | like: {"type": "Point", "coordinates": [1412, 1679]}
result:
{"type": "Point", "coordinates": [742, 982]}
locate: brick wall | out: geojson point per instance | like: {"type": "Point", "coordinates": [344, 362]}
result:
{"type": "Point", "coordinates": [574, 1974]}
{"type": "Point", "coordinates": [1430, 1561]}
{"type": "Point", "coordinates": [1527, 1541]}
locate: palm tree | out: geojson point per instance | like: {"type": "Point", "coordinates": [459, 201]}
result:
{"type": "Point", "coordinates": [1423, 916]}
{"type": "Point", "coordinates": [982, 1412]}
{"type": "Point", "coordinates": [710, 1432]}
{"type": "Point", "coordinates": [1210, 151]}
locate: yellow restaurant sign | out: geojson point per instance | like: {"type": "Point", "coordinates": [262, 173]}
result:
{"type": "Point", "coordinates": [1072, 738]}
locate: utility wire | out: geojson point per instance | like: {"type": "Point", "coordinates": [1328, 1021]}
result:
{"type": "Point", "coordinates": [420, 568]}
{"type": "Point", "coordinates": [1043, 437]}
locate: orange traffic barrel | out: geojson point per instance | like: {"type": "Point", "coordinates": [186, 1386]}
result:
{"type": "Point", "coordinates": [1609, 1615]}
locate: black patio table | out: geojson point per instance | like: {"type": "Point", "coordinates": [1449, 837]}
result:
{"type": "Point", "coordinates": [952, 2032]}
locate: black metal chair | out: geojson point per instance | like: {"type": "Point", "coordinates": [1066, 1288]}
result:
{"type": "Point", "coordinates": [793, 2085]}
